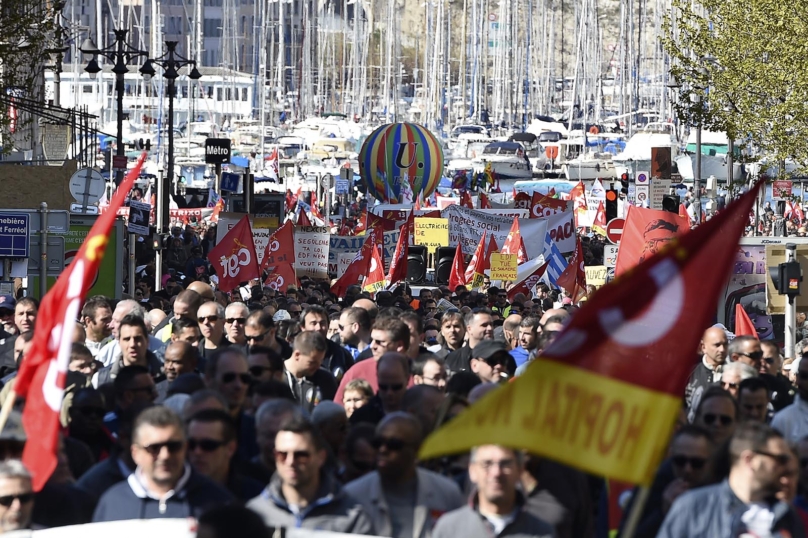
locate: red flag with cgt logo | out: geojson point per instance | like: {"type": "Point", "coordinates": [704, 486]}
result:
{"type": "Point", "coordinates": [234, 257]}
{"type": "Point", "coordinates": [280, 247]}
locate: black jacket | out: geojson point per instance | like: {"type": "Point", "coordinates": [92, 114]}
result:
{"type": "Point", "coordinates": [128, 500]}
{"type": "Point", "coordinates": [337, 360]}
{"type": "Point", "coordinates": [109, 373]}
{"type": "Point", "coordinates": [102, 476]}
{"type": "Point", "coordinates": [700, 380]}
{"type": "Point", "coordinates": [313, 389]}
{"type": "Point", "coordinates": [459, 360]}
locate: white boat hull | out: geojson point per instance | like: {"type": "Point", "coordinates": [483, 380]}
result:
{"type": "Point", "coordinates": [711, 165]}
{"type": "Point", "coordinates": [588, 170]}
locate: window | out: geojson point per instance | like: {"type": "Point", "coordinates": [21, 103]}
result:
{"type": "Point", "coordinates": [243, 23]}
{"type": "Point", "coordinates": [218, 94]}
{"type": "Point", "coordinates": [184, 91]}
{"type": "Point", "coordinates": [229, 95]}
{"type": "Point", "coordinates": [243, 94]}
{"type": "Point", "coordinates": [212, 27]}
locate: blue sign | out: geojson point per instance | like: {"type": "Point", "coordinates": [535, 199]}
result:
{"type": "Point", "coordinates": [230, 181]}
{"type": "Point", "coordinates": [14, 235]}
{"type": "Point", "coordinates": [341, 186]}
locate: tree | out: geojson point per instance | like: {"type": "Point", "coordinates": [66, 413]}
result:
{"type": "Point", "coordinates": [27, 36]}
{"type": "Point", "coordinates": [743, 68]}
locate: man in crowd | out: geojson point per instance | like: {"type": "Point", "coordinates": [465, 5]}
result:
{"type": "Point", "coordinates": [211, 447]}
{"type": "Point", "coordinates": [260, 331]}
{"type": "Point", "coordinates": [163, 485]}
{"type": "Point", "coordinates": [429, 369]}
{"type": "Point", "coordinates": [479, 327]}
{"type": "Point", "coordinates": [133, 339]}
{"type": "Point", "coordinates": [490, 360]}
{"type": "Point", "coordinates": [388, 334]}
{"type": "Point", "coordinates": [510, 332]}
{"type": "Point", "coordinates": [402, 499]}
{"type": "Point", "coordinates": [97, 316]}
{"type": "Point", "coordinates": [393, 375]}
{"type": "Point", "coordinates": [717, 413]}
{"type": "Point", "coordinates": [354, 330]}
{"type": "Point", "coordinates": [309, 382]}
{"type": "Point", "coordinates": [211, 319]}
{"type": "Point", "coordinates": [745, 503]}
{"type": "Point", "coordinates": [7, 306]}
{"type": "Point", "coordinates": [180, 358]}
{"type": "Point", "coordinates": [268, 419]}
{"type": "Point", "coordinates": [16, 496]}
{"type": "Point", "coordinates": [753, 400]}
{"type": "Point", "coordinates": [235, 320]}
{"type": "Point", "coordinates": [791, 420]}
{"type": "Point", "coordinates": [732, 375]}
{"type": "Point", "coordinates": [186, 305]}
{"type": "Point", "coordinates": [452, 334]}
{"type": "Point", "coordinates": [185, 329]}
{"type": "Point", "coordinates": [133, 386]}
{"type": "Point", "coordinates": [497, 507]}
{"type": "Point", "coordinates": [337, 360]}
{"type": "Point", "coordinates": [708, 370]}
{"type": "Point", "coordinates": [112, 350]}
{"type": "Point", "coordinates": [300, 494]}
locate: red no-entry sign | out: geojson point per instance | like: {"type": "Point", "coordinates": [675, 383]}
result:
{"type": "Point", "coordinates": [614, 230]}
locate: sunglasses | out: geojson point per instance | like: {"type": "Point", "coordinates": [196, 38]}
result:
{"type": "Point", "coordinates": [709, 419]}
{"type": "Point", "coordinates": [24, 498]}
{"type": "Point", "coordinates": [390, 388]}
{"type": "Point", "coordinates": [781, 459]}
{"type": "Point", "coordinates": [209, 319]}
{"type": "Point", "coordinates": [257, 337]}
{"type": "Point", "coordinates": [769, 360]}
{"type": "Point", "coordinates": [155, 449]}
{"type": "Point", "coordinates": [207, 445]}
{"type": "Point", "coordinates": [695, 463]}
{"type": "Point", "coordinates": [392, 443]}
{"type": "Point", "coordinates": [298, 456]}
{"type": "Point", "coordinates": [728, 386]}
{"type": "Point", "coordinates": [755, 355]}
{"type": "Point", "coordinates": [257, 371]}
{"type": "Point", "coordinates": [229, 377]}
{"type": "Point", "coordinates": [236, 320]}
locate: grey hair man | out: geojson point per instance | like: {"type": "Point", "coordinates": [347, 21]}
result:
{"type": "Point", "coordinates": [16, 496]}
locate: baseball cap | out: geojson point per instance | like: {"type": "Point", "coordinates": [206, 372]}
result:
{"type": "Point", "coordinates": [8, 302]}
{"type": "Point", "coordinates": [488, 348]}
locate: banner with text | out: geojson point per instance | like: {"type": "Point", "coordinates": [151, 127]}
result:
{"type": "Point", "coordinates": [311, 251]}
{"type": "Point", "coordinates": [260, 235]}
{"type": "Point", "coordinates": [431, 232]}
{"type": "Point", "coordinates": [349, 244]}
{"type": "Point", "coordinates": [503, 266]}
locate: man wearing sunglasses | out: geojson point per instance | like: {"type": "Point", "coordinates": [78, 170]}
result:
{"type": "Point", "coordinates": [717, 413]}
{"type": "Point", "coordinates": [260, 330]}
{"type": "Point", "coordinates": [163, 485]}
{"type": "Point", "coordinates": [745, 504]}
{"type": "Point", "coordinates": [16, 496]}
{"type": "Point", "coordinates": [780, 388]}
{"type": "Point", "coordinates": [491, 361]}
{"type": "Point", "coordinates": [235, 321]}
{"type": "Point", "coordinates": [300, 493]}
{"type": "Point", "coordinates": [211, 318]}
{"type": "Point", "coordinates": [211, 446]}
{"type": "Point", "coordinates": [792, 420]}
{"type": "Point", "coordinates": [402, 499]}
{"type": "Point", "coordinates": [309, 382]}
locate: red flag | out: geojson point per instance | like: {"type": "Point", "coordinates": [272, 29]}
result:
{"type": "Point", "coordinates": [599, 225]}
{"type": "Point", "coordinates": [578, 197]}
{"type": "Point", "coordinates": [456, 277]}
{"type": "Point", "coordinates": [398, 266]}
{"type": "Point", "coordinates": [551, 193]}
{"type": "Point", "coordinates": [281, 277]}
{"type": "Point", "coordinates": [485, 203]}
{"type": "Point", "coordinates": [492, 247]}
{"type": "Point", "coordinates": [361, 222]}
{"type": "Point", "coordinates": [526, 286]}
{"type": "Point", "coordinates": [234, 257]}
{"type": "Point", "coordinates": [302, 218]}
{"type": "Point", "coordinates": [280, 247]}
{"type": "Point", "coordinates": [599, 364]}
{"type": "Point", "coordinates": [41, 378]}
{"type": "Point", "coordinates": [315, 211]}
{"type": "Point", "coordinates": [797, 212]}
{"type": "Point", "coordinates": [544, 206]}
{"type": "Point", "coordinates": [645, 232]}
{"type": "Point", "coordinates": [476, 269]}
{"type": "Point", "coordinates": [683, 212]}
{"type": "Point", "coordinates": [216, 210]}
{"type": "Point", "coordinates": [374, 221]}
{"type": "Point", "coordinates": [357, 269]}
{"type": "Point", "coordinates": [514, 243]}
{"type": "Point", "coordinates": [374, 281]}
{"type": "Point", "coordinates": [743, 325]}
{"type": "Point", "coordinates": [465, 200]}
{"type": "Point", "coordinates": [573, 278]}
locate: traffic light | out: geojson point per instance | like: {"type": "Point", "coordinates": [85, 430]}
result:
{"type": "Point", "coordinates": [159, 241]}
{"type": "Point", "coordinates": [611, 204]}
{"type": "Point", "coordinates": [670, 202]}
{"type": "Point", "coordinates": [624, 182]}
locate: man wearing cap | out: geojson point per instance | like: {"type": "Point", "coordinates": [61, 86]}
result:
{"type": "Point", "coordinates": [490, 361]}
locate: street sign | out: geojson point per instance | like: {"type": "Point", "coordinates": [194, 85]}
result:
{"type": "Point", "coordinates": [659, 188]}
{"type": "Point", "coordinates": [642, 195]}
{"type": "Point", "coordinates": [56, 255]}
{"type": "Point", "coordinates": [230, 182]}
{"type": "Point", "coordinates": [641, 178]}
{"type": "Point", "coordinates": [119, 162]}
{"type": "Point", "coordinates": [82, 210]}
{"type": "Point", "coordinates": [139, 218]}
{"type": "Point", "coordinates": [781, 189]}
{"type": "Point", "coordinates": [87, 182]}
{"type": "Point", "coordinates": [342, 186]}
{"type": "Point", "coordinates": [614, 230]}
{"type": "Point", "coordinates": [217, 150]}
{"type": "Point", "coordinates": [55, 143]}
{"type": "Point", "coordinates": [14, 235]}
{"type": "Point", "coordinates": [610, 255]}
{"type": "Point", "coordinates": [58, 220]}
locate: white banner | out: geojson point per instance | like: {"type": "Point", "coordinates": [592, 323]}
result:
{"type": "Point", "coordinates": [562, 230]}
{"type": "Point", "coordinates": [349, 244]}
{"type": "Point", "coordinates": [260, 235]}
{"type": "Point", "coordinates": [311, 251]}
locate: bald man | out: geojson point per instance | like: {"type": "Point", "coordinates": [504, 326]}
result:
{"type": "Point", "coordinates": [709, 369]}
{"type": "Point", "coordinates": [370, 306]}
{"type": "Point", "coordinates": [203, 289]}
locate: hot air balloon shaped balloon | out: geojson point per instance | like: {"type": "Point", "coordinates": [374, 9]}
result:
{"type": "Point", "coordinates": [399, 153]}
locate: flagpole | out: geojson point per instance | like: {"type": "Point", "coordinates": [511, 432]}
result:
{"type": "Point", "coordinates": [5, 411]}
{"type": "Point", "coordinates": [637, 508]}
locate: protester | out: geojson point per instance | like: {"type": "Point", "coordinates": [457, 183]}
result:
{"type": "Point", "coordinates": [309, 381]}
{"type": "Point", "coordinates": [479, 327]}
{"type": "Point", "coordinates": [16, 496]}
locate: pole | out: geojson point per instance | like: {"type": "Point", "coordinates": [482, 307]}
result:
{"type": "Point", "coordinates": [165, 190]}
{"type": "Point", "coordinates": [158, 259]}
{"type": "Point", "coordinates": [132, 262]}
{"type": "Point", "coordinates": [43, 247]}
{"type": "Point", "coordinates": [730, 165]}
{"type": "Point", "coordinates": [791, 310]}
{"type": "Point", "coordinates": [218, 172]}
{"type": "Point", "coordinates": [119, 149]}
{"type": "Point", "coordinates": [637, 508]}
{"type": "Point", "coordinates": [697, 175]}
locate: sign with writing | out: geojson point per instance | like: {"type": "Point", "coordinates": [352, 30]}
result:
{"type": "Point", "coordinates": [431, 232]}
{"type": "Point", "coordinates": [139, 218]}
{"type": "Point", "coordinates": [610, 255]}
{"type": "Point", "coordinates": [349, 244]}
{"type": "Point", "coordinates": [55, 143]}
{"type": "Point", "coordinates": [311, 251]}
{"type": "Point", "coordinates": [217, 150]}
{"type": "Point", "coordinates": [342, 186]}
{"type": "Point", "coordinates": [344, 259]}
{"type": "Point", "coordinates": [260, 234]}
{"type": "Point", "coordinates": [781, 189]}
{"type": "Point", "coordinates": [503, 266]}
{"type": "Point", "coordinates": [659, 188]}
{"type": "Point", "coordinates": [596, 274]}
{"type": "Point", "coordinates": [14, 231]}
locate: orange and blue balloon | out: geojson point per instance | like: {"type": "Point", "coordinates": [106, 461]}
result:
{"type": "Point", "coordinates": [399, 152]}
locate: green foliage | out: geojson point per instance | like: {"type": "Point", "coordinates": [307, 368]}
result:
{"type": "Point", "coordinates": [743, 69]}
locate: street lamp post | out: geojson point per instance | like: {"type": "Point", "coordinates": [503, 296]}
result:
{"type": "Point", "coordinates": [171, 63]}
{"type": "Point", "coordinates": [121, 53]}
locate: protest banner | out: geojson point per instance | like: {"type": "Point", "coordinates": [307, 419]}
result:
{"type": "Point", "coordinates": [350, 244]}
{"type": "Point", "coordinates": [431, 232]}
{"type": "Point", "coordinates": [503, 266]}
{"type": "Point", "coordinates": [260, 235]}
{"type": "Point", "coordinates": [596, 274]}
{"type": "Point", "coordinates": [311, 251]}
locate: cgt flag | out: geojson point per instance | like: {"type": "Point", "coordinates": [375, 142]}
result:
{"type": "Point", "coordinates": [42, 375]}
{"type": "Point", "coordinates": [604, 395]}
{"type": "Point", "coordinates": [280, 247]}
{"type": "Point", "coordinates": [457, 276]}
{"type": "Point", "coordinates": [398, 265]}
{"type": "Point", "coordinates": [645, 232]}
{"type": "Point", "coordinates": [475, 272]}
{"type": "Point", "coordinates": [599, 225]}
{"type": "Point", "coordinates": [234, 257]}
{"type": "Point", "coordinates": [281, 277]}
{"type": "Point", "coordinates": [527, 285]}
{"type": "Point", "coordinates": [374, 281]}
{"type": "Point", "coordinates": [357, 269]}
{"type": "Point", "coordinates": [573, 278]}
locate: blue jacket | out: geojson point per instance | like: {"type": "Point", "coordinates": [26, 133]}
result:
{"type": "Point", "coordinates": [716, 512]}
{"type": "Point", "coordinates": [520, 355]}
{"type": "Point", "coordinates": [129, 500]}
